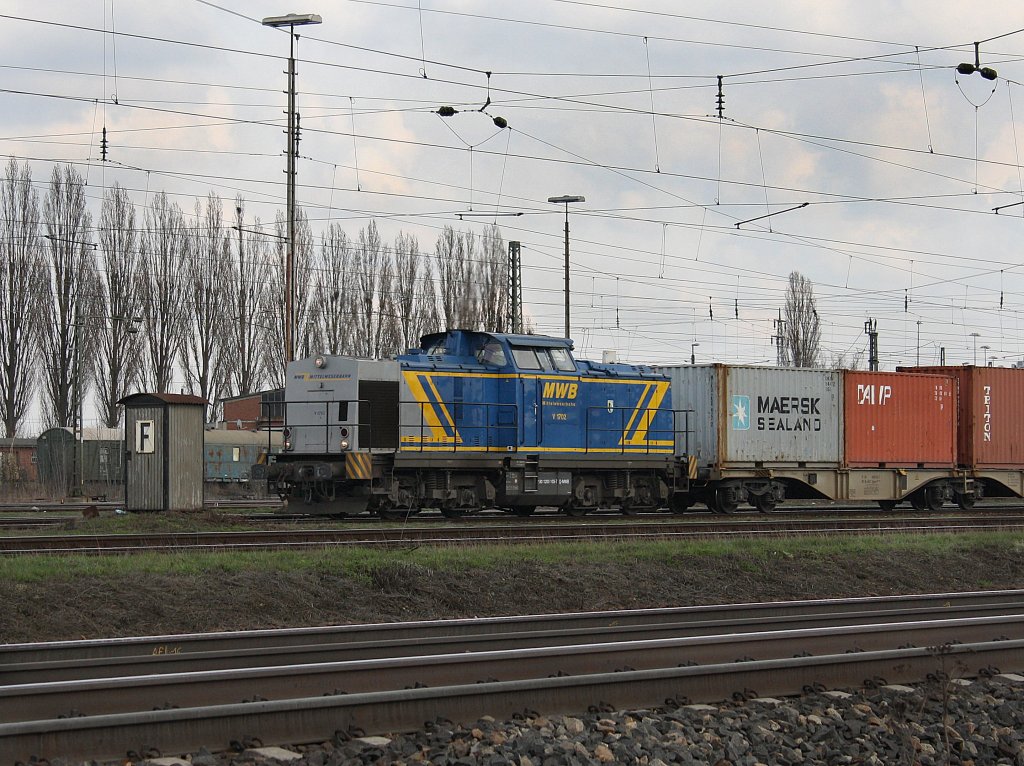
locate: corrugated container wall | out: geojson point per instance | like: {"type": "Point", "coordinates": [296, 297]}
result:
{"type": "Point", "coordinates": [896, 419]}
{"type": "Point", "coordinates": [768, 415]}
{"type": "Point", "coordinates": [991, 415]}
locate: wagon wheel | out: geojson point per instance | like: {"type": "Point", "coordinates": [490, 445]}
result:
{"type": "Point", "coordinates": [965, 502]}
{"type": "Point", "coordinates": [576, 511]}
{"type": "Point", "coordinates": [724, 502]}
{"type": "Point", "coordinates": [934, 499]}
{"type": "Point", "coordinates": [629, 508]}
{"type": "Point", "coordinates": [523, 510]}
{"type": "Point", "coordinates": [887, 505]}
{"type": "Point", "coordinates": [919, 501]}
{"type": "Point", "coordinates": [389, 512]}
{"type": "Point", "coordinates": [765, 503]}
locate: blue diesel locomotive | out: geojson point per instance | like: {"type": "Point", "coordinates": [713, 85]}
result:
{"type": "Point", "coordinates": [473, 420]}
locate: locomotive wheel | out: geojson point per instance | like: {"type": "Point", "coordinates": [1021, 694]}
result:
{"type": "Point", "coordinates": [965, 502]}
{"type": "Point", "coordinates": [764, 503]}
{"type": "Point", "coordinates": [575, 511]}
{"type": "Point", "coordinates": [887, 505]}
{"type": "Point", "coordinates": [629, 509]}
{"type": "Point", "coordinates": [724, 502]}
{"type": "Point", "coordinates": [453, 513]}
{"type": "Point", "coordinates": [523, 510]}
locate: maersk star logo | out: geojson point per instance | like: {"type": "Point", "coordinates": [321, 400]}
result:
{"type": "Point", "coordinates": [740, 412]}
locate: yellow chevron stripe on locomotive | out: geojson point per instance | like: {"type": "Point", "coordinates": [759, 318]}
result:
{"type": "Point", "coordinates": [447, 410]}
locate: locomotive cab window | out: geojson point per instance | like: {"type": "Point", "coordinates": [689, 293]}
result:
{"type": "Point", "coordinates": [492, 353]}
{"type": "Point", "coordinates": [562, 360]}
{"type": "Point", "coordinates": [526, 358]}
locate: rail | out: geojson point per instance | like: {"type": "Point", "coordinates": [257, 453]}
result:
{"type": "Point", "coordinates": [857, 646]}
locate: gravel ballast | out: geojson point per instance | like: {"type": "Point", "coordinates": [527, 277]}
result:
{"type": "Point", "coordinates": [939, 722]}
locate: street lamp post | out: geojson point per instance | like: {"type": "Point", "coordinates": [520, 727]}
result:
{"type": "Point", "coordinates": [291, 21]}
{"type": "Point", "coordinates": [693, 356]}
{"type": "Point", "coordinates": [975, 335]}
{"type": "Point", "coordinates": [565, 200]}
{"type": "Point", "coordinates": [984, 354]}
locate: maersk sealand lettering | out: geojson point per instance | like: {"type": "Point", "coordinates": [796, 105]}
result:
{"type": "Point", "coordinates": [773, 412]}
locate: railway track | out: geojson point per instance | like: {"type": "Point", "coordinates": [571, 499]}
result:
{"type": "Point", "coordinates": [649, 529]}
{"type": "Point", "coordinates": [304, 685]}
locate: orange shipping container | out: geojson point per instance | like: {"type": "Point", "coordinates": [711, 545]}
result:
{"type": "Point", "coordinates": [898, 419]}
{"type": "Point", "coordinates": [991, 415]}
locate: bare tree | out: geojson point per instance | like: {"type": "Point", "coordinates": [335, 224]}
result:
{"type": "Point", "coordinates": [409, 294]}
{"type": "Point", "coordinates": [803, 330]}
{"type": "Point", "coordinates": [385, 331]}
{"type": "Point", "coordinates": [119, 358]}
{"type": "Point", "coordinates": [305, 255]}
{"type": "Point", "coordinates": [493, 281]}
{"type": "Point", "coordinates": [427, 318]}
{"type": "Point", "coordinates": [247, 297]}
{"type": "Point", "coordinates": [368, 259]}
{"type": "Point", "coordinates": [333, 296]}
{"type": "Point", "coordinates": [457, 274]}
{"type": "Point", "coordinates": [274, 312]}
{"type": "Point", "coordinates": [163, 299]}
{"type": "Point", "coordinates": [207, 269]}
{"type": "Point", "coordinates": [847, 361]}
{"type": "Point", "coordinates": [67, 327]}
{"type": "Point", "coordinates": [272, 318]}
{"type": "Point", "coordinates": [20, 272]}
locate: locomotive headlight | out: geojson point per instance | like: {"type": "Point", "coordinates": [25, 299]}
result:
{"type": "Point", "coordinates": [320, 361]}
{"type": "Point", "coordinates": [287, 444]}
{"type": "Point", "coordinates": [287, 434]}
{"type": "Point", "coordinates": [344, 444]}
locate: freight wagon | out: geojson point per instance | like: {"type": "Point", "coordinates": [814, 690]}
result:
{"type": "Point", "coordinates": [990, 439]}
{"type": "Point", "coordinates": [229, 456]}
{"type": "Point", "coordinates": [763, 434]}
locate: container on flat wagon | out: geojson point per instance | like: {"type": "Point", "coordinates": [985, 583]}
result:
{"type": "Point", "coordinates": [899, 419]}
{"type": "Point", "coordinates": [757, 416]}
{"type": "Point", "coordinates": [990, 410]}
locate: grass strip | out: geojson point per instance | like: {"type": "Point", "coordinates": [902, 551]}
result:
{"type": "Point", "coordinates": [755, 555]}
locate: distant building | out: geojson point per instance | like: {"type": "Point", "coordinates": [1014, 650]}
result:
{"type": "Point", "coordinates": [18, 460]}
{"type": "Point", "coordinates": [251, 412]}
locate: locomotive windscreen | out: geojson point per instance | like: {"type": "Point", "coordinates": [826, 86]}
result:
{"type": "Point", "coordinates": [380, 429]}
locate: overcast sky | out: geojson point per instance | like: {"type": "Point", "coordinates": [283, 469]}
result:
{"type": "Point", "coordinates": [852, 109]}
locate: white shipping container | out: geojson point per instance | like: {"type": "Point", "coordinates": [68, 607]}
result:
{"type": "Point", "coordinates": [758, 416]}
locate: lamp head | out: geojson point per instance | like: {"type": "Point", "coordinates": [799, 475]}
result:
{"type": "Point", "coordinates": [292, 20]}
